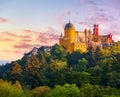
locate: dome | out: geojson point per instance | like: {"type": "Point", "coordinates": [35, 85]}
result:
{"type": "Point", "coordinates": [69, 25]}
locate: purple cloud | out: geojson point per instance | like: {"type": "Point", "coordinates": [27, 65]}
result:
{"type": "Point", "coordinates": [3, 20]}
{"type": "Point", "coordinates": [47, 39]}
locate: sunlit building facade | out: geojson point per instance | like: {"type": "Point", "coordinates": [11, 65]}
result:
{"type": "Point", "coordinates": [73, 40]}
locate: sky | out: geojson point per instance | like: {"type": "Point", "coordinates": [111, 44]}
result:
{"type": "Point", "coordinates": [25, 24]}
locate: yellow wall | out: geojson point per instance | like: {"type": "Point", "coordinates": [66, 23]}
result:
{"type": "Point", "coordinates": [69, 41]}
{"type": "Point", "coordinates": [70, 33]}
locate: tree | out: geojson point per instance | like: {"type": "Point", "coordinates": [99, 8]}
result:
{"type": "Point", "coordinates": [48, 57]}
{"type": "Point", "coordinates": [16, 68]}
{"type": "Point", "coordinates": [107, 63]}
{"type": "Point", "coordinates": [9, 90]}
{"type": "Point", "coordinates": [41, 58]}
{"type": "Point", "coordinates": [57, 65]}
{"type": "Point", "coordinates": [115, 49]}
{"type": "Point", "coordinates": [68, 90]}
{"type": "Point", "coordinates": [40, 91]}
{"type": "Point", "coordinates": [32, 64]}
{"type": "Point", "coordinates": [15, 71]}
{"type": "Point", "coordinates": [58, 52]}
{"type": "Point", "coordinates": [82, 64]}
{"type": "Point", "coordinates": [90, 56]}
{"type": "Point", "coordinates": [73, 58]}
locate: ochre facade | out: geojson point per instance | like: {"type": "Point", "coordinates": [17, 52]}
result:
{"type": "Point", "coordinates": [74, 40]}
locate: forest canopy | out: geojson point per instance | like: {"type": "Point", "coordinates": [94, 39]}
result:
{"type": "Point", "coordinates": [58, 73]}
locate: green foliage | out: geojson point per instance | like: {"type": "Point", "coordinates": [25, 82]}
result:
{"type": "Point", "coordinates": [79, 78]}
{"type": "Point", "coordinates": [9, 90]}
{"type": "Point", "coordinates": [68, 90]}
{"type": "Point", "coordinates": [41, 58]}
{"type": "Point", "coordinates": [48, 57]}
{"type": "Point", "coordinates": [32, 64]}
{"type": "Point", "coordinates": [57, 65]}
{"type": "Point", "coordinates": [16, 68]}
{"type": "Point", "coordinates": [115, 49]}
{"type": "Point", "coordinates": [73, 58]}
{"type": "Point", "coordinates": [82, 64]}
{"type": "Point", "coordinates": [15, 71]}
{"type": "Point", "coordinates": [40, 91]}
{"type": "Point", "coordinates": [97, 91]}
{"type": "Point", "coordinates": [58, 52]}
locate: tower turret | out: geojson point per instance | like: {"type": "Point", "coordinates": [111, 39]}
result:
{"type": "Point", "coordinates": [86, 35]}
{"type": "Point", "coordinates": [110, 38]}
{"type": "Point", "coordinates": [69, 32]}
{"type": "Point", "coordinates": [95, 30]}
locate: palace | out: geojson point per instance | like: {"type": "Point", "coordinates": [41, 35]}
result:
{"type": "Point", "coordinates": [74, 40]}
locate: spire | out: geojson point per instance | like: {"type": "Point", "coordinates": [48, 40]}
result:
{"type": "Point", "coordinates": [69, 21]}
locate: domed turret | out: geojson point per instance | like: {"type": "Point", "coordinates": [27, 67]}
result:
{"type": "Point", "coordinates": [69, 32]}
{"type": "Point", "coordinates": [69, 25]}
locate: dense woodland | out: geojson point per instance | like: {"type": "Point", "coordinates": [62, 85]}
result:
{"type": "Point", "coordinates": [61, 74]}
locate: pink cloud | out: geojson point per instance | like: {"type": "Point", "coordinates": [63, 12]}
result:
{"type": "Point", "coordinates": [15, 51]}
{"type": "Point", "coordinates": [63, 25]}
{"type": "Point", "coordinates": [9, 34]}
{"type": "Point", "coordinates": [26, 40]}
{"type": "Point", "coordinates": [59, 18]}
{"type": "Point", "coordinates": [51, 30]}
{"type": "Point", "coordinates": [85, 24]}
{"type": "Point", "coordinates": [7, 39]}
{"type": "Point", "coordinates": [47, 38]}
{"type": "Point", "coordinates": [3, 20]}
{"type": "Point", "coordinates": [19, 52]}
{"type": "Point", "coordinates": [67, 12]}
{"type": "Point", "coordinates": [28, 30]}
{"type": "Point", "coordinates": [22, 46]}
{"type": "Point", "coordinates": [25, 36]}
{"type": "Point", "coordinates": [12, 37]}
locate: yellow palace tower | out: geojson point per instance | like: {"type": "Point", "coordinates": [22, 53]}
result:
{"type": "Point", "coordinates": [69, 40]}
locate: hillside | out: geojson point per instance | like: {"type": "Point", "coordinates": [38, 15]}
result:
{"type": "Point", "coordinates": [46, 67]}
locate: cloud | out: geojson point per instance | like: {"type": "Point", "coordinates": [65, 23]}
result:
{"type": "Point", "coordinates": [9, 51]}
{"type": "Point", "coordinates": [24, 36]}
{"type": "Point", "coordinates": [103, 12]}
{"type": "Point", "coordinates": [67, 12]}
{"type": "Point", "coordinates": [28, 30]}
{"type": "Point", "coordinates": [8, 34]}
{"type": "Point", "coordinates": [63, 25]}
{"type": "Point", "coordinates": [85, 24]}
{"type": "Point", "coordinates": [26, 40]}
{"type": "Point", "coordinates": [11, 54]}
{"type": "Point", "coordinates": [47, 39]}
{"type": "Point", "coordinates": [60, 18]}
{"type": "Point", "coordinates": [7, 39]}
{"type": "Point", "coordinates": [3, 20]}
{"type": "Point", "coordinates": [22, 45]}
{"type": "Point", "coordinates": [31, 39]}
{"type": "Point", "coordinates": [14, 37]}
{"type": "Point", "coordinates": [95, 2]}
{"type": "Point", "coordinates": [19, 52]}
{"type": "Point", "coordinates": [51, 30]}
{"type": "Point", "coordinates": [5, 51]}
